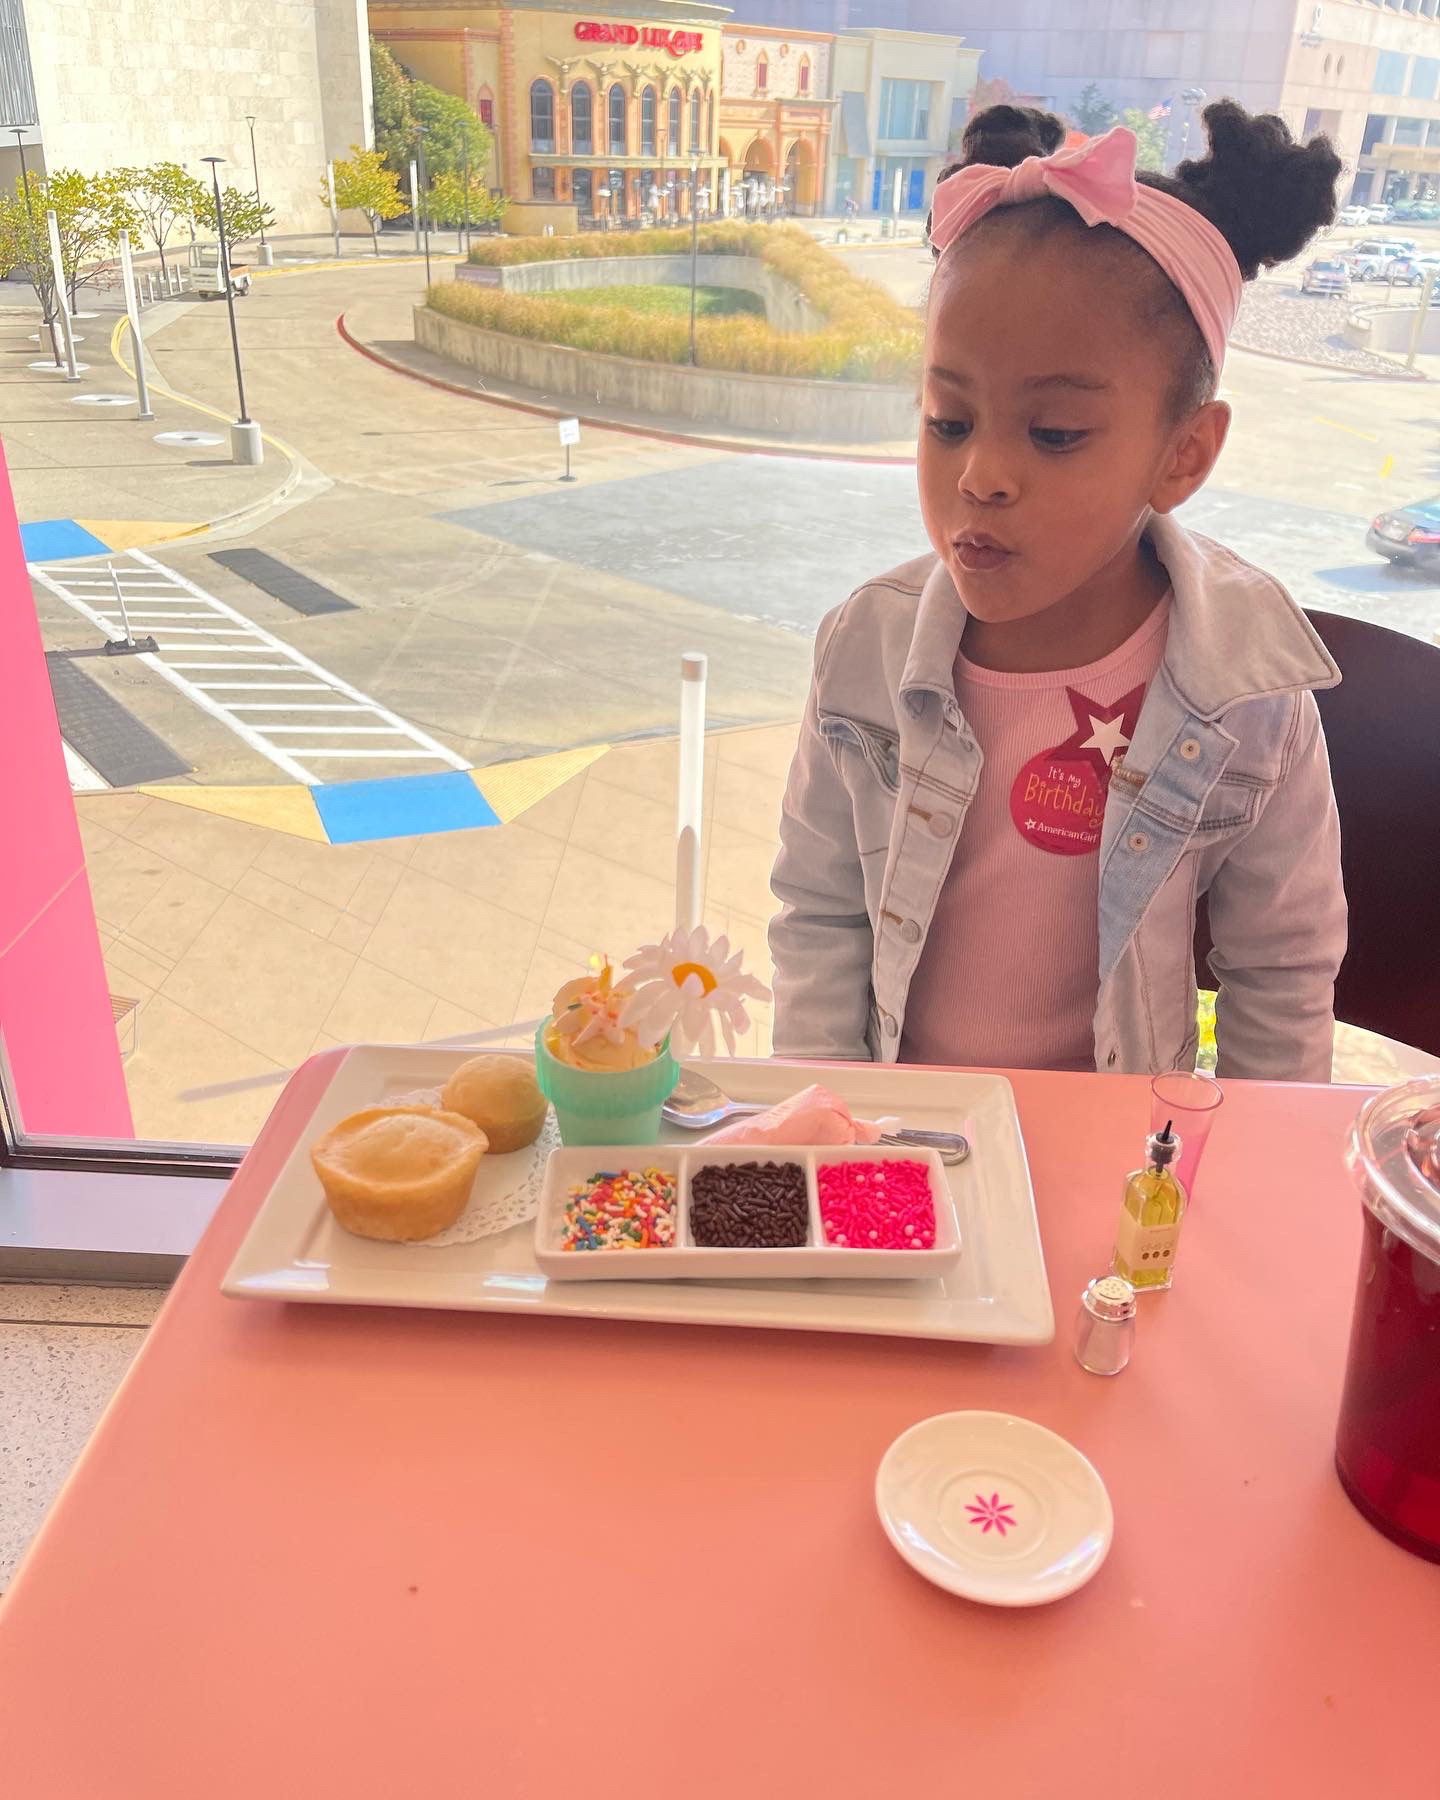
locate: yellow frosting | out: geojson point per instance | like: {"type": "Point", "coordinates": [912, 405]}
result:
{"type": "Point", "coordinates": [599, 1053]}
{"type": "Point", "coordinates": [578, 1004]}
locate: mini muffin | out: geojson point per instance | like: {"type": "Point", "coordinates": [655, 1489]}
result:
{"type": "Point", "coordinates": [501, 1095]}
{"type": "Point", "coordinates": [398, 1172]}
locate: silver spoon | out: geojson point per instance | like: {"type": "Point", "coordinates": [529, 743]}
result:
{"type": "Point", "coordinates": [697, 1104]}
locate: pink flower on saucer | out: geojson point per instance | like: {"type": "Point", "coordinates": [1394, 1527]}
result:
{"type": "Point", "coordinates": [993, 1514]}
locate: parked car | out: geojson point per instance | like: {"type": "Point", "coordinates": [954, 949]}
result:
{"type": "Point", "coordinates": [1354, 215]}
{"type": "Point", "coordinates": [1377, 215]}
{"type": "Point", "coordinates": [1409, 536]}
{"type": "Point", "coordinates": [1326, 275]}
{"type": "Point", "coordinates": [1410, 271]}
{"type": "Point", "coordinates": [1371, 258]}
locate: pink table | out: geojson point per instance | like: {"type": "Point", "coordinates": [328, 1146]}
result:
{"type": "Point", "coordinates": [376, 1553]}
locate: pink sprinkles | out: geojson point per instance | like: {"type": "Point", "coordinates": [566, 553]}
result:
{"type": "Point", "coordinates": [877, 1205]}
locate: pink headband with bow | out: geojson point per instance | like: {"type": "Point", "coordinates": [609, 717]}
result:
{"type": "Point", "coordinates": [1098, 179]}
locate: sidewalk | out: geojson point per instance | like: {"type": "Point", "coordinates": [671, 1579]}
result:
{"type": "Point", "coordinates": [77, 451]}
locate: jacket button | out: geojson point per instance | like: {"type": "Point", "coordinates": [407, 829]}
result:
{"type": "Point", "coordinates": [1137, 841]}
{"type": "Point", "coordinates": [1110, 1060]}
{"type": "Point", "coordinates": [911, 932]}
{"type": "Point", "coordinates": [941, 824]}
{"type": "Point", "coordinates": [888, 1025]}
{"type": "Point", "coordinates": [1190, 749]}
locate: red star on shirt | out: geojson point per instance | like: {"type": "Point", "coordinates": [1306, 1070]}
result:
{"type": "Point", "coordinates": [1101, 732]}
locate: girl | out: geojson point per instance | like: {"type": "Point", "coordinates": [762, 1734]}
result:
{"type": "Point", "coordinates": [1027, 756]}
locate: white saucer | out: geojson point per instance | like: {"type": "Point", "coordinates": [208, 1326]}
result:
{"type": "Point", "coordinates": [994, 1508]}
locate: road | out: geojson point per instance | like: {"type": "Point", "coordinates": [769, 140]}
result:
{"type": "Point", "coordinates": [502, 613]}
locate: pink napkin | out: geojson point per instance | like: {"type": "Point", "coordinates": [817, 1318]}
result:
{"type": "Point", "coordinates": [813, 1116]}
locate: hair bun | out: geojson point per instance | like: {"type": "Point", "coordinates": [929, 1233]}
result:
{"type": "Point", "coordinates": [1267, 194]}
{"type": "Point", "coordinates": [1003, 136]}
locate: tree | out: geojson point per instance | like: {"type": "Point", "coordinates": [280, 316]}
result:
{"type": "Point", "coordinates": [394, 115]}
{"type": "Point", "coordinates": [446, 200]}
{"type": "Point", "coordinates": [244, 215]}
{"type": "Point", "coordinates": [402, 104]}
{"type": "Point", "coordinates": [449, 126]}
{"type": "Point", "coordinates": [90, 213]}
{"type": "Point", "coordinates": [363, 182]}
{"type": "Point", "coordinates": [163, 194]}
{"type": "Point", "coordinates": [1093, 112]}
{"type": "Point", "coordinates": [1151, 138]}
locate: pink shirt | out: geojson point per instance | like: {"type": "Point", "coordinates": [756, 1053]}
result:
{"type": "Point", "coordinates": [1009, 973]}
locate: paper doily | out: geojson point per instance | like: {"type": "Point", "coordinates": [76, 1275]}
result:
{"type": "Point", "coordinates": [507, 1188]}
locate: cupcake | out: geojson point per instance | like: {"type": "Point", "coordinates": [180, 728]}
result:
{"type": "Point", "coordinates": [604, 1056]}
{"type": "Point", "coordinates": [607, 1084]}
{"type": "Point", "coordinates": [400, 1173]}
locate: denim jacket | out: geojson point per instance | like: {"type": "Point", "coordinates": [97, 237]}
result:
{"type": "Point", "coordinates": [1223, 791]}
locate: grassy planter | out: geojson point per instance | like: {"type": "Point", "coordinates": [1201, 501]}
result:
{"type": "Point", "coordinates": [777, 406]}
{"type": "Point", "coordinates": [863, 333]}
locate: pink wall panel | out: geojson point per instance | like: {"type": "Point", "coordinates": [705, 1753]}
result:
{"type": "Point", "coordinates": [54, 1000]}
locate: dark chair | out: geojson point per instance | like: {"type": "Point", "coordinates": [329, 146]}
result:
{"type": "Point", "coordinates": [1383, 728]}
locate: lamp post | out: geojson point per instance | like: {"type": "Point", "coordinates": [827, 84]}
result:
{"type": "Point", "coordinates": [420, 131]}
{"type": "Point", "coordinates": [267, 255]}
{"type": "Point", "coordinates": [694, 246]}
{"type": "Point", "coordinates": [465, 195]}
{"type": "Point", "coordinates": [246, 445]}
{"type": "Point", "coordinates": [1193, 97]}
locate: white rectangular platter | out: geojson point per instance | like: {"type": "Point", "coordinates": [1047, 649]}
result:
{"type": "Point", "coordinates": [997, 1293]}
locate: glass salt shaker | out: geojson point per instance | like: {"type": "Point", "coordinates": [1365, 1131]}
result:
{"type": "Point", "coordinates": [1105, 1329]}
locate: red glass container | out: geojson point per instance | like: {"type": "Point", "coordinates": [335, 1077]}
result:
{"type": "Point", "coordinates": [1387, 1447]}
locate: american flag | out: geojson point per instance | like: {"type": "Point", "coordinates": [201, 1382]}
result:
{"type": "Point", "coordinates": [1162, 111]}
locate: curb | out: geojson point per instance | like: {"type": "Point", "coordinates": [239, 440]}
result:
{"type": "Point", "coordinates": [734, 446]}
{"type": "Point", "coordinates": [1308, 362]}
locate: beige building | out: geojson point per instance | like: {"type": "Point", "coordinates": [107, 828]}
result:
{"type": "Point", "coordinates": [899, 95]}
{"type": "Point", "coordinates": [101, 84]}
{"type": "Point", "coordinates": [776, 105]}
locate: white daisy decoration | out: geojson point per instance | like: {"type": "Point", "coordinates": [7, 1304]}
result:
{"type": "Point", "coordinates": [682, 985]}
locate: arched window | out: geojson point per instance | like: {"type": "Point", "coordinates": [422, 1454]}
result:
{"type": "Point", "coordinates": [710, 123]}
{"type": "Point", "coordinates": [647, 122]}
{"type": "Point", "coordinates": [672, 136]}
{"type": "Point", "coordinates": [542, 117]}
{"type": "Point", "coordinates": [694, 121]}
{"type": "Point", "coordinates": [582, 119]}
{"type": "Point", "coordinates": [619, 145]}
{"type": "Point", "coordinates": [804, 74]}
{"type": "Point", "coordinates": [762, 73]}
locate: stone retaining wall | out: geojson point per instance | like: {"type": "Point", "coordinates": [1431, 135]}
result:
{"type": "Point", "coordinates": [785, 308]}
{"type": "Point", "coordinates": [831, 412]}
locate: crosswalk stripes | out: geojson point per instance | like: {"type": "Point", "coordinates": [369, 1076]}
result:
{"type": "Point", "coordinates": [208, 650]}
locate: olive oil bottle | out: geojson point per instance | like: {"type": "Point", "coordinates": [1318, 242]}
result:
{"type": "Point", "coordinates": [1150, 1217]}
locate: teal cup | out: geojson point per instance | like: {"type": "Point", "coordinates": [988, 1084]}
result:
{"type": "Point", "coordinates": [599, 1107]}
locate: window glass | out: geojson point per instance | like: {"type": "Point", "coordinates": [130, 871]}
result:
{"type": "Point", "coordinates": [374, 739]}
{"type": "Point", "coordinates": [582, 140]}
{"type": "Point", "coordinates": [542, 116]}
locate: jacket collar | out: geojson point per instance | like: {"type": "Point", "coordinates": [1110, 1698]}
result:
{"type": "Point", "coordinates": [1235, 634]}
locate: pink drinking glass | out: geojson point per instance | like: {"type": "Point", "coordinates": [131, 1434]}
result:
{"type": "Point", "coordinates": [1192, 1102]}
